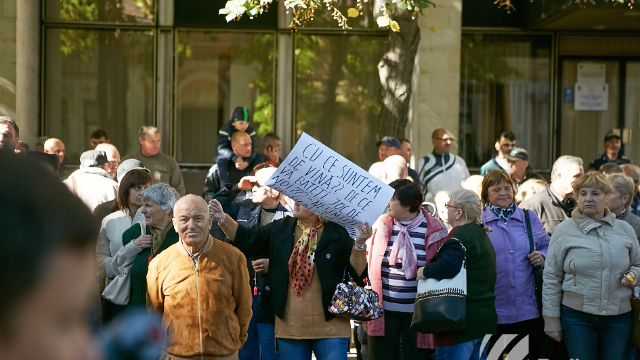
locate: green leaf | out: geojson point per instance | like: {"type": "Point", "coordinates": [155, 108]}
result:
{"type": "Point", "coordinates": [402, 5]}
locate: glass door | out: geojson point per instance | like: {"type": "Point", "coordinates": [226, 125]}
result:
{"type": "Point", "coordinates": [589, 102]}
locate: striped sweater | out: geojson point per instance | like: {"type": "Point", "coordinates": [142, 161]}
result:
{"type": "Point", "coordinates": [398, 293]}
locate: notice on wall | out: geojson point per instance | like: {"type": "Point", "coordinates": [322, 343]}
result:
{"type": "Point", "coordinates": [591, 73]}
{"type": "Point", "coordinates": [328, 184]}
{"type": "Point", "coordinates": [591, 97]}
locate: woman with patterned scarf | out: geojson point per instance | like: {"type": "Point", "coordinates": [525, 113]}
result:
{"type": "Point", "coordinates": [516, 302]}
{"type": "Point", "coordinates": [404, 239]}
{"type": "Point", "coordinates": [308, 258]}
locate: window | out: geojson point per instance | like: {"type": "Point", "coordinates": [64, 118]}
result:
{"type": "Point", "coordinates": [505, 85]}
{"type": "Point", "coordinates": [117, 11]}
{"type": "Point", "coordinates": [217, 72]}
{"type": "Point", "coordinates": [98, 79]}
{"type": "Point", "coordinates": [337, 92]}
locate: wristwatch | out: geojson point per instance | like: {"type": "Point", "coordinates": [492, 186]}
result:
{"type": "Point", "coordinates": [360, 246]}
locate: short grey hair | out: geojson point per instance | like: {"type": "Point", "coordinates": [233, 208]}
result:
{"type": "Point", "coordinates": [623, 185]}
{"type": "Point", "coordinates": [142, 133]}
{"type": "Point", "coordinates": [562, 162]}
{"type": "Point", "coordinates": [468, 201]}
{"type": "Point", "coordinates": [163, 195]}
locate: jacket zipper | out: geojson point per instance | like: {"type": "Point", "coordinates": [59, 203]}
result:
{"type": "Point", "coordinates": [195, 266]}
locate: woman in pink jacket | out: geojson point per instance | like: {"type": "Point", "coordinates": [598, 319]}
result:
{"type": "Point", "coordinates": [404, 239]}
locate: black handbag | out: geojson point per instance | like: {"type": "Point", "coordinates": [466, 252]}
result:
{"type": "Point", "coordinates": [441, 305]}
{"type": "Point", "coordinates": [537, 270]}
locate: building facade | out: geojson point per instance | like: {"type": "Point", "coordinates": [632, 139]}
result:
{"type": "Point", "coordinates": [559, 74]}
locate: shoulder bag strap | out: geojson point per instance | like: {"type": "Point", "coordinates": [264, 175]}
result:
{"type": "Point", "coordinates": [528, 221]}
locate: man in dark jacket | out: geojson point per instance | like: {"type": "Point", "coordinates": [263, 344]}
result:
{"type": "Point", "coordinates": [555, 203]}
{"type": "Point", "coordinates": [506, 141]}
{"type": "Point", "coordinates": [519, 167]}
{"type": "Point", "coordinates": [263, 208]}
{"type": "Point", "coordinates": [612, 144]}
{"type": "Point", "coordinates": [241, 145]}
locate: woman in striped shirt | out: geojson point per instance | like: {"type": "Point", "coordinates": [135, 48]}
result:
{"type": "Point", "coordinates": [403, 240]}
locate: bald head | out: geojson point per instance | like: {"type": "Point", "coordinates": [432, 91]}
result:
{"type": "Point", "coordinates": [191, 221]}
{"type": "Point", "coordinates": [441, 139]}
{"type": "Point", "coordinates": [241, 144]}
{"type": "Point", "coordinates": [55, 146]}
{"type": "Point", "coordinates": [113, 155]}
{"type": "Point", "coordinates": [395, 168]}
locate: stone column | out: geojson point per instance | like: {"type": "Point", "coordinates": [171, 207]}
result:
{"type": "Point", "coordinates": [436, 99]}
{"type": "Point", "coordinates": [28, 69]}
{"type": "Point", "coordinates": [8, 59]}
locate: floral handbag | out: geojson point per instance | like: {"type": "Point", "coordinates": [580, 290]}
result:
{"type": "Point", "coordinates": [355, 302]}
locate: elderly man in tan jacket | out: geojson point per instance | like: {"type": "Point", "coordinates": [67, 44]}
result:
{"type": "Point", "coordinates": [201, 286]}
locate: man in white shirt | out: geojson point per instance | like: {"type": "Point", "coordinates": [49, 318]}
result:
{"type": "Point", "coordinates": [92, 183]}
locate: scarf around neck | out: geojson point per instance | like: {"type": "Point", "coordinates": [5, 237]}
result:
{"type": "Point", "coordinates": [158, 237]}
{"type": "Point", "coordinates": [302, 258]}
{"type": "Point", "coordinates": [403, 250]}
{"type": "Point", "coordinates": [503, 214]}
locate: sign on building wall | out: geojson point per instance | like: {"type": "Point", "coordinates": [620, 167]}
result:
{"type": "Point", "coordinates": [328, 184]}
{"type": "Point", "coordinates": [591, 89]}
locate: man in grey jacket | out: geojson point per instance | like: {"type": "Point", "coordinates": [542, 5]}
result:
{"type": "Point", "coordinates": [554, 204]}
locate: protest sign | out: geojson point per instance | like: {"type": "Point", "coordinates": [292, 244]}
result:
{"type": "Point", "coordinates": [328, 184]}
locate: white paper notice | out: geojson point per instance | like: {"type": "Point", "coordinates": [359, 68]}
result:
{"type": "Point", "coordinates": [328, 184]}
{"type": "Point", "coordinates": [591, 97]}
{"type": "Point", "coordinates": [591, 73]}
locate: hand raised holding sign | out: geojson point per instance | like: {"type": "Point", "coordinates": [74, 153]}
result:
{"type": "Point", "coordinates": [365, 233]}
{"type": "Point", "coordinates": [247, 182]}
{"type": "Point", "coordinates": [216, 211]}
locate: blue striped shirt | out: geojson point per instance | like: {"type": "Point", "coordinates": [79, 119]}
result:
{"type": "Point", "coordinates": [398, 293]}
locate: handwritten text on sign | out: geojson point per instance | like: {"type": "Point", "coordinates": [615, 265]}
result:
{"type": "Point", "coordinates": [326, 183]}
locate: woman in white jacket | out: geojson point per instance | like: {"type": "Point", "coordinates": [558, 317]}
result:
{"type": "Point", "coordinates": [592, 264]}
{"type": "Point", "coordinates": [110, 253]}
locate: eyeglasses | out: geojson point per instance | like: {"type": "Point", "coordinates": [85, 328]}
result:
{"type": "Point", "coordinates": [451, 206]}
{"type": "Point", "coordinates": [445, 139]}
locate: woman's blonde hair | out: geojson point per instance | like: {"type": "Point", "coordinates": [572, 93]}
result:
{"type": "Point", "coordinates": [493, 178]}
{"type": "Point", "coordinates": [528, 188]}
{"type": "Point", "coordinates": [468, 202]}
{"type": "Point", "coordinates": [594, 180]}
{"type": "Point", "coordinates": [623, 185]}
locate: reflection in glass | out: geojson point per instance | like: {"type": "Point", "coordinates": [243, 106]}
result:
{"type": "Point", "coordinates": [338, 92]}
{"type": "Point", "coordinates": [97, 79]}
{"type": "Point", "coordinates": [217, 72]}
{"type": "Point", "coordinates": [505, 85]}
{"type": "Point", "coordinates": [129, 11]}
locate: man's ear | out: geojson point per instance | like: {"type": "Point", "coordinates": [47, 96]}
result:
{"type": "Point", "coordinates": [497, 146]}
{"type": "Point", "coordinates": [140, 140]}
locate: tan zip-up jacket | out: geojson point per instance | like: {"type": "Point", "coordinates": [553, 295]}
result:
{"type": "Point", "coordinates": [206, 312]}
{"type": "Point", "coordinates": [585, 264]}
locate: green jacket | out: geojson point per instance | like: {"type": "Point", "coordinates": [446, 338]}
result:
{"type": "Point", "coordinates": [140, 265]}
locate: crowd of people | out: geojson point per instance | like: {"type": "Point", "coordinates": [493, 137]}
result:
{"type": "Point", "coordinates": [245, 272]}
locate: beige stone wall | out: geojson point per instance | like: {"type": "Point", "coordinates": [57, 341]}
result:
{"type": "Point", "coordinates": [27, 69]}
{"type": "Point", "coordinates": [437, 84]}
{"type": "Point", "coordinates": [8, 16]}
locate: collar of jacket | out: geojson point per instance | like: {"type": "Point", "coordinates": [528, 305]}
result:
{"type": "Point", "coordinates": [488, 215]}
{"type": "Point", "coordinates": [208, 245]}
{"type": "Point", "coordinates": [285, 231]}
{"type": "Point", "coordinates": [587, 224]}
{"type": "Point", "coordinates": [91, 170]}
{"type": "Point", "coordinates": [433, 226]}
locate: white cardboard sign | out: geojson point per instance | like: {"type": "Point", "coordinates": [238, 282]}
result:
{"type": "Point", "coordinates": [328, 184]}
{"type": "Point", "coordinates": [591, 97]}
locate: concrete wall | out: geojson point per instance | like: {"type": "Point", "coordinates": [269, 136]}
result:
{"type": "Point", "coordinates": [437, 81]}
{"type": "Point", "coordinates": [28, 69]}
{"type": "Point", "coordinates": [8, 15]}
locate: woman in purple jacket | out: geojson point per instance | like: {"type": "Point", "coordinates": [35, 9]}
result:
{"type": "Point", "coordinates": [516, 302]}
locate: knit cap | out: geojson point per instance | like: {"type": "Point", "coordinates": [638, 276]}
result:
{"type": "Point", "coordinates": [240, 113]}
